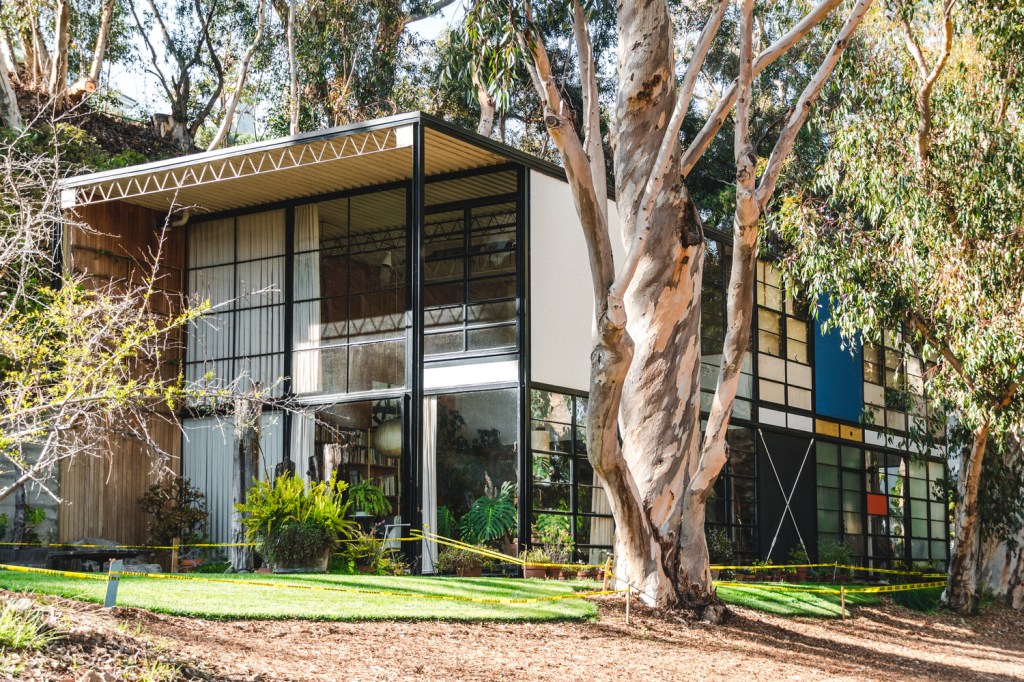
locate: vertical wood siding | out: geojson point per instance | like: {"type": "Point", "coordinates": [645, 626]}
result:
{"type": "Point", "coordinates": [99, 495]}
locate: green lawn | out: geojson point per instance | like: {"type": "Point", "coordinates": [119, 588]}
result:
{"type": "Point", "coordinates": [793, 602]}
{"type": "Point", "coordinates": [222, 600]}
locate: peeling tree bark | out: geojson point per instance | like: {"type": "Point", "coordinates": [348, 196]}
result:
{"type": "Point", "coordinates": [644, 429]}
{"type": "Point", "coordinates": [487, 106]}
{"type": "Point", "coordinates": [10, 113]}
{"type": "Point", "coordinates": [1001, 566]}
{"type": "Point", "coordinates": [961, 591]}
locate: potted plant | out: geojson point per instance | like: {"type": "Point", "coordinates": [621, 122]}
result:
{"type": "Point", "coordinates": [295, 528]}
{"type": "Point", "coordinates": [368, 500]}
{"type": "Point", "coordinates": [720, 550]}
{"type": "Point", "coordinates": [532, 558]}
{"type": "Point", "coordinates": [798, 555]}
{"type": "Point", "coordinates": [558, 544]}
{"type": "Point", "coordinates": [836, 553]}
{"type": "Point", "coordinates": [462, 562]}
{"type": "Point", "coordinates": [492, 517]}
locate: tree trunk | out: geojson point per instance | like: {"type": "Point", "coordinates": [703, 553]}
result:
{"type": "Point", "coordinates": [59, 61]}
{"type": "Point", "coordinates": [660, 405]}
{"type": "Point", "coordinates": [961, 593]}
{"type": "Point", "coordinates": [487, 106]}
{"type": "Point", "coordinates": [243, 74]}
{"type": "Point", "coordinates": [19, 523]}
{"type": "Point", "coordinates": [10, 114]}
{"type": "Point", "coordinates": [245, 470]}
{"type": "Point", "coordinates": [1001, 570]}
{"type": "Point", "coordinates": [293, 73]}
{"type": "Point", "coordinates": [106, 16]}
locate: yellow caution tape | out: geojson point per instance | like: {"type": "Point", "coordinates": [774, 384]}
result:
{"type": "Point", "coordinates": [49, 571]}
{"type": "Point", "coordinates": [866, 569]}
{"type": "Point", "coordinates": [295, 586]}
{"type": "Point", "coordinates": [493, 554]}
{"type": "Point", "coordinates": [354, 590]}
{"type": "Point", "coordinates": [831, 590]}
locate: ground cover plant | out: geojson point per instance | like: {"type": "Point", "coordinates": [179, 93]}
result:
{"type": "Point", "coordinates": [794, 602]}
{"type": "Point", "coordinates": [408, 598]}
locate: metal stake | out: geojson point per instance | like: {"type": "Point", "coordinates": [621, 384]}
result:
{"type": "Point", "coordinates": [113, 578]}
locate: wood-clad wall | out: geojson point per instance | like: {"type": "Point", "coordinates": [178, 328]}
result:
{"type": "Point", "coordinates": [99, 495]}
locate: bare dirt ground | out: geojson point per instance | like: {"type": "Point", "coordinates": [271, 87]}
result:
{"type": "Point", "coordinates": [880, 643]}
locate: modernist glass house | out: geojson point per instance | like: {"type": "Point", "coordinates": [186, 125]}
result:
{"type": "Point", "coordinates": [415, 300]}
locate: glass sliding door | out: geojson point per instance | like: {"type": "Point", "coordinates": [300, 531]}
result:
{"type": "Point", "coordinates": [470, 464]}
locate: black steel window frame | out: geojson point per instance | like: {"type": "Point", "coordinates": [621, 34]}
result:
{"type": "Point", "coordinates": [575, 456]}
{"type": "Point", "coordinates": [724, 491]}
{"type": "Point", "coordinates": [862, 473]}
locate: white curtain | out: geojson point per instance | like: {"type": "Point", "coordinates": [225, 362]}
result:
{"type": "Point", "coordinates": [303, 441]}
{"type": "Point", "coordinates": [307, 315]}
{"type": "Point", "coordinates": [602, 530]}
{"type": "Point", "coordinates": [429, 481]}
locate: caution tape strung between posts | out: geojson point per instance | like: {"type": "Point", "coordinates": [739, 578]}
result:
{"type": "Point", "coordinates": [242, 582]}
{"type": "Point", "coordinates": [865, 569]}
{"type": "Point", "coordinates": [492, 554]}
{"type": "Point", "coordinates": [832, 590]}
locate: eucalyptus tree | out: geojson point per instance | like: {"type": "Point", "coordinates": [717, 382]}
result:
{"type": "Point", "coordinates": [916, 221]}
{"type": "Point", "coordinates": [644, 432]}
{"type": "Point", "coordinates": [184, 41]}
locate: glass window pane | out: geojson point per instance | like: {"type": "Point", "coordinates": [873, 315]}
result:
{"type": "Point", "coordinates": [376, 366]}
{"type": "Point", "coordinates": [852, 458]}
{"type": "Point", "coordinates": [828, 498]}
{"type": "Point", "coordinates": [828, 475]}
{"type": "Point", "coordinates": [491, 337]}
{"type": "Point", "coordinates": [828, 453]}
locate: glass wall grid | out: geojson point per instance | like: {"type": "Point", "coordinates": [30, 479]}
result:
{"type": "Point", "coordinates": [565, 489]}
{"type": "Point", "coordinates": [732, 505]}
{"type": "Point", "coordinates": [717, 266]}
{"type": "Point", "coordinates": [783, 343]}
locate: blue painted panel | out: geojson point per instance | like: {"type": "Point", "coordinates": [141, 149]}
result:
{"type": "Point", "coordinates": [838, 373]}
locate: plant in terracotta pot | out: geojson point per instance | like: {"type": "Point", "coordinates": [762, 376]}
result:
{"type": "Point", "coordinates": [558, 543]}
{"type": "Point", "coordinates": [798, 555]}
{"type": "Point", "coordinates": [462, 562]}
{"type": "Point", "coordinates": [492, 517]}
{"type": "Point", "coordinates": [534, 560]}
{"type": "Point", "coordinates": [294, 527]}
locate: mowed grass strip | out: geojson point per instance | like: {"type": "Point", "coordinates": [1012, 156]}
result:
{"type": "Point", "coordinates": [793, 602]}
{"type": "Point", "coordinates": [404, 598]}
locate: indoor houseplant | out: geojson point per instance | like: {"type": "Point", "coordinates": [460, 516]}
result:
{"type": "Point", "coordinates": [294, 527]}
{"type": "Point", "coordinates": [368, 500]}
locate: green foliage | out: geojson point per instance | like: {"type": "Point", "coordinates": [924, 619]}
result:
{"type": "Point", "coordinates": [720, 549]}
{"type": "Point", "coordinates": [932, 244]}
{"type": "Point", "coordinates": [369, 498]}
{"type": "Point", "coordinates": [177, 510]}
{"type": "Point", "coordinates": [23, 629]}
{"type": "Point", "coordinates": [286, 511]}
{"type": "Point", "coordinates": [456, 560]}
{"type": "Point", "coordinates": [798, 555]}
{"type": "Point", "coordinates": [447, 525]}
{"type": "Point", "coordinates": [370, 554]}
{"type": "Point", "coordinates": [213, 567]}
{"type": "Point", "coordinates": [548, 523]}
{"type": "Point", "coordinates": [297, 544]}
{"type": "Point", "coordinates": [491, 517]}
{"type": "Point", "coordinates": [536, 555]}
{"type": "Point", "coordinates": [3, 526]}
{"type": "Point", "coordinates": [834, 552]}
{"type": "Point", "coordinates": [557, 542]}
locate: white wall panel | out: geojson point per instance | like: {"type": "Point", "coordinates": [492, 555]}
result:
{"type": "Point", "coordinates": [561, 300]}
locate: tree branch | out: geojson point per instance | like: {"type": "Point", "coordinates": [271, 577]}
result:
{"type": "Point", "coordinates": [243, 73]}
{"type": "Point", "coordinates": [807, 98]}
{"type": "Point", "coordinates": [591, 106]}
{"type": "Point", "coordinates": [703, 140]}
{"type": "Point", "coordinates": [663, 164]}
